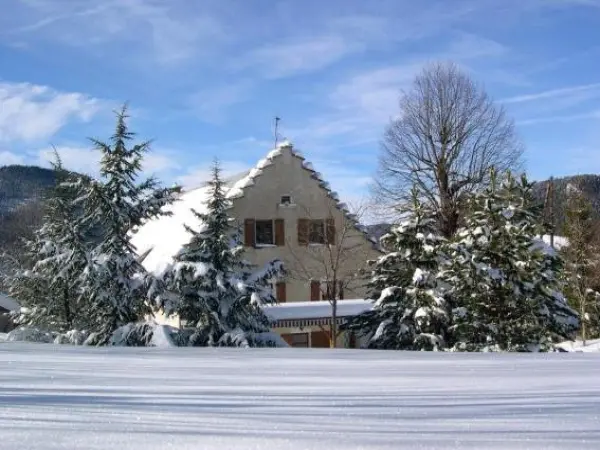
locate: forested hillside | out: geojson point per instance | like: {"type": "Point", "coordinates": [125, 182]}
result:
{"type": "Point", "coordinates": [22, 189]}
{"type": "Point", "coordinates": [588, 184]}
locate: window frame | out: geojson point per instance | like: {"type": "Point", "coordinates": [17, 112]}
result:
{"type": "Point", "coordinates": [323, 239]}
{"type": "Point", "coordinates": [256, 234]}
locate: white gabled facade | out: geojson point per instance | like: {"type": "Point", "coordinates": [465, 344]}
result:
{"type": "Point", "coordinates": [285, 210]}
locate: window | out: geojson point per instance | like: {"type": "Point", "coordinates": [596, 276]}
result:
{"type": "Point", "coordinates": [319, 231]}
{"type": "Point", "coordinates": [264, 232]}
{"type": "Point", "coordinates": [299, 340]}
{"type": "Point", "coordinates": [316, 232]}
{"type": "Point", "coordinates": [286, 200]}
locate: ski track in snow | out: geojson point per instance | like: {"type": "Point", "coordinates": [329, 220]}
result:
{"type": "Point", "coordinates": [62, 397]}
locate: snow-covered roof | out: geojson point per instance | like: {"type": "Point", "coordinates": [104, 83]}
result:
{"type": "Point", "coordinates": [8, 303]}
{"type": "Point", "coordinates": [316, 310]}
{"type": "Point", "coordinates": [160, 239]}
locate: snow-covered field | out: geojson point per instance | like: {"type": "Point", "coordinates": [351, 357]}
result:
{"type": "Point", "coordinates": [62, 397]}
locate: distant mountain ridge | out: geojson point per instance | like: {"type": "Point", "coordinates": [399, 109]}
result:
{"type": "Point", "coordinates": [22, 190]}
{"type": "Point", "coordinates": [588, 184]}
{"type": "Point", "coordinates": [22, 184]}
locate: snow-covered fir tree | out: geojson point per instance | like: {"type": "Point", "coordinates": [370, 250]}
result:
{"type": "Point", "coordinates": [409, 311]}
{"type": "Point", "coordinates": [582, 261]}
{"type": "Point", "coordinates": [115, 285]}
{"type": "Point", "coordinates": [218, 295]}
{"type": "Point", "coordinates": [505, 282]}
{"type": "Point", "coordinates": [48, 289]}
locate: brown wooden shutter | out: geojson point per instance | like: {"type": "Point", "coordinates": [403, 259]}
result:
{"type": "Point", "coordinates": [303, 226]}
{"type": "Point", "coordinates": [330, 231]}
{"type": "Point", "coordinates": [249, 233]}
{"type": "Point", "coordinates": [281, 292]}
{"type": "Point", "coordinates": [279, 232]}
{"type": "Point", "coordinates": [315, 290]}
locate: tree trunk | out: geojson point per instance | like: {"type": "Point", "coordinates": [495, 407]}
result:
{"type": "Point", "coordinates": [583, 327]}
{"type": "Point", "coordinates": [333, 328]}
{"type": "Point", "coordinates": [448, 216]}
{"type": "Point", "coordinates": [67, 306]}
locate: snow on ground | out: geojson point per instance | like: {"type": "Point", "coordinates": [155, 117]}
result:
{"type": "Point", "coordinates": [592, 345]}
{"type": "Point", "coordinates": [63, 397]}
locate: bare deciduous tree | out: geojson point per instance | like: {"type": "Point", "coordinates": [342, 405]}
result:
{"type": "Point", "coordinates": [447, 137]}
{"type": "Point", "coordinates": [337, 263]}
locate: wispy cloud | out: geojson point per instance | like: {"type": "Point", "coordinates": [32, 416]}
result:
{"type": "Point", "coordinates": [32, 112]}
{"type": "Point", "coordinates": [198, 175]}
{"type": "Point", "coordinates": [561, 119]}
{"type": "Point", "coordinates": [79, 159]}
{"type": "Point", "coordinates": [467, 46]}
{"type": "Point", "coordinates": [300, 51]}
{"type": "Point", "coordinates": [9, 158]}
{"type": "Point", "coordinates": [87, 159]}
{"type": "Point", "coordinates": [168, 32]}
{"type": "Point", "coordinates": [590, 89]}
{"type": "Point", "coordinates": [211, 105]}
{"type": "Point", "coordinates": [292, 58]}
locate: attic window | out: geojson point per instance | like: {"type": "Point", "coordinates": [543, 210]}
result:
{"type": "Point", "coordinates": [286, 200]}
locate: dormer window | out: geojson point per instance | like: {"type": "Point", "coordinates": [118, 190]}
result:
{"type": "Point", "coordinates": [286, 200]}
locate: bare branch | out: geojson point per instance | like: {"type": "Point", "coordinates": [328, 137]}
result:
{"type": "Point", "coordinates": [448, 136]}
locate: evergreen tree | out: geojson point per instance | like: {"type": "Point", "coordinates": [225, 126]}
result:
{"type": "Point", "coordinates": [504, 279]}
{"type": "Point", "coordinates": [48, 290]}
{"type": "Point", "coordinates": [409, 311]}
{"type": "Point", "coordinates": [115, 284]}
{"type": "Point", "coordinates": [218, 294]}
{"type": "Point", "coordinates": [582, 261]}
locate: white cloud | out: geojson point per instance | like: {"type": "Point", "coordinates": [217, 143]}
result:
{"type": "Point", "coordinates": [296, 57]}
{"type": "Point", "coordinates": [469, 46]}
{"type": "Point", "coordinates": [9, 158]}
{"type": "Point", "coordinates": [561, 119]}
{"type": "Point", "coordinates": [171, 32]}
{"type": "Point", "coordinates": [374, 94]}
{"type": "Point", "coordinates": [200, 174]}
{"type": "Point", "coordinates": [87, 160]}
{"type": "Point", "coordinates": [32, 112]}
{"type": "Point", "coordinates": [212, 104]}
{"type": "Point", "coordinates": [79, 159]}
{"type": "Point", "coordinates": [590, 90]}
{"type": "Point", "coordinates": [160, 161]}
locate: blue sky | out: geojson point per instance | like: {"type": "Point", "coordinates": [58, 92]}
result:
{"type": "Point", "coordinates": [206, 78]}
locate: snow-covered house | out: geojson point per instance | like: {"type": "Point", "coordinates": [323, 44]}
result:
{"type": "Point", "coordinates": [284, 209]}
{"type": "Point", "coordinates": [7, 305]}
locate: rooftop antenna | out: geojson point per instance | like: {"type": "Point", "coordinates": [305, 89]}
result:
{"type": "Point", "coordinates": [277, 119]}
